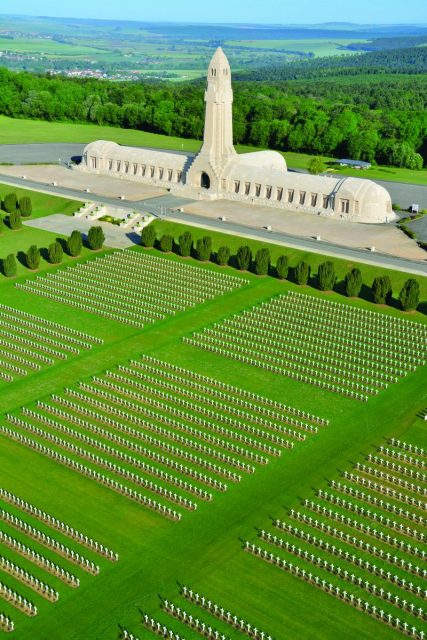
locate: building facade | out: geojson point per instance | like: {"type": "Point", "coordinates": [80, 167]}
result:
{"type": "Point", "coordinates": [219, 172]}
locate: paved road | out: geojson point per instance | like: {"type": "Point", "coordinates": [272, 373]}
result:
{"type": "Point", "coordinates": [35, 153]}
{"type": "Point", "coordinates": [156, 206]}
{"type": "Point", "coordinates": [401, 193]}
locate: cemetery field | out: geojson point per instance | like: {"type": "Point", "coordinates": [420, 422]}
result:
{"type": "Point", "coordinates": [294, 256]}
{"type": "Point", "coordinates": [176, 459]}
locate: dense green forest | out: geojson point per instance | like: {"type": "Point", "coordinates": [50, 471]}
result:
{"type": "Point", "coordinates": [383, 121]}
{"type": "Point", "coordinates": [412, 60]}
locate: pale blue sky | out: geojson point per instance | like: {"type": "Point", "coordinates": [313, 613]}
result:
{"type": "Point", "coordinates": [242, 11]}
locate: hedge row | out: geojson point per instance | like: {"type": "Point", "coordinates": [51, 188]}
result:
{"type": "Point", "coordinates": [260, 264]}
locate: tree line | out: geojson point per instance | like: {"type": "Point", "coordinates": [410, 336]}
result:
{"type": "Point", "coordinates": [54, 254]}
{"type": "Point", "coordinates": [260, 264]}
{"type": "Point", "coordinates": [384, 123]}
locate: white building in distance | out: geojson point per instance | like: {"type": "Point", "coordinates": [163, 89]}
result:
{"type": "Point", "coordinates": [219, 172]}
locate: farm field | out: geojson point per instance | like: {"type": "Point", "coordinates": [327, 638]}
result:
{"type": "Point", "coordinates": [19, 131]}
{"type": "Point", "coordinates": [45, 46]}
{"type": "Point", "coordinates": [132, 442]}
{"type": "Point", "coordinates": [319, 47]}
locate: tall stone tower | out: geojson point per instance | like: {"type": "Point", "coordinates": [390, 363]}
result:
{"type": "Point", "coordinates": [217, 149]}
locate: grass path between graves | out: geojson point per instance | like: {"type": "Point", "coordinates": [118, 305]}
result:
{"type": "Point", "coordinates": [205, 549]}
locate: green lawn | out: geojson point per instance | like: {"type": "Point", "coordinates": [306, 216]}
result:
{"type": "Point", "coordinates": [36, 131]}
{"type": "Point", "coordinates": [43, 204]}
{"type": "Point", "coordinates": [18, 241]}
{"type": "Point", "coordinates": [204, 551]}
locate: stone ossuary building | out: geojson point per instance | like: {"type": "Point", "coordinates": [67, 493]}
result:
{"type": "Point", "coordinates": [219, 172]}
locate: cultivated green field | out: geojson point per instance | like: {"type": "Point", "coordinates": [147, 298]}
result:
{"type": "Point", "coordinates": [45, 47]}
{"type": "Point", "coordinates": [320, 47]}
{"type": "Point", "coordinates": [35, 131]}
{"type": "Point", "coordinates": [204, 550]}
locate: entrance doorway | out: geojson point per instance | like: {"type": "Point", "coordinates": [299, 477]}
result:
{"type": "Point", "coordinates": [205, 181]}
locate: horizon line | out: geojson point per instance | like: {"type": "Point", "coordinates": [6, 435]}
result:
{"type": "Point", "coordinates": [223, 24]}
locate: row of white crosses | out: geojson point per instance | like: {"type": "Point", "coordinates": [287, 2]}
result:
{"type": "Point", "coordinates": [16, 600]}
{"type": "Point", "coordinates": [197, 403]}
{"type": "Point", "coordinates": [172, 294]}
{"type": "Point", "coordinates": [35, 345]}
{"type": "Point", "coordinates": [116, 453]}
{"type": "Point", "coordinates": [61, 333]}
{"type": "Point", "coordinates": [39, 560]}
{"type": "Point", "coordinates": [97, 291]}
{"type": "Point", "coordinates": [407, 446]}
{"type": "Point", "coordinates": [74, 299]}
{"type": "Point", "coordinates": [110, 408]}
{"type": "Point", "coordinates": [102, 462]}
{"type": "Point", "coordinates": [338, 592]}
{"type": "Point", "coordinates": [155, 288]}
{"type": "Point", "coordinates": [208, 276]}
{"type": "Point", "coordinates": [366, 497]}
{"type": "Point", "coordinates": [355, 559]}
{"type": "Point", "coordinates": [15, 357]}
{"type": "Point", "coordinates": [400, 325]}
{"type": "Point", "coordinates": [49, 542]}
{"type": "Point", "coordinates": [6, 623]}
{"type": "Point", "coordinates": [169, 403]}
{"type": "Point", "coordinates": [223, 614]}
{"type": "Point", "coordinates": [140, 435]}
{"type": "Point", "coordinates": [366, 529]}
{"type": "Point", "coordinates": [241, 397]}
{"type": "Point", "coordinates": [212, 402]}
{"type": "Point", "coordinates": [9, 346]}
{"type": "Point", "coordinates": [67, 331]}
{"type": "Point", "coordinates": [390, 464]}
{"type": "Point", "coordinates": [173, 275]}
{"type": "Point", "coordinates": [7, 377]}
{"type": "Point", "coordinates": [341, 324]}
{"type": "Point", "coordinates": [299, 328]}
{"type": "Point", "coordinates": [268, 324]}
{"type": "Point", "coordinates": [13, 368]}
{"type": "Point", "coordinates": [27, 578]}
{"type": "Point", "coordinates": [403, 457]}
{"type": "Point", "coordinates": [59, 525]}
{"type": "Point", "coordinates": [391, 524]}
{"type": "Point", "coordinates": [158, 628]}
{"type": "Point", "coordinates": [203, 435]}
{"type": "Point", "coordinates": [38, 336]}
{"type": "Point", "coordinates": [277, 352]}
{"type": "Point", "coordinates": [239, 353]}
{"type": "Point", "coordinates": [397, 495]}
{"type": "Point", "coordinates": [397, 480]}
{"type": "Point", "coordinates": [100, 478]}
{"type": "Point", "coordinates": [222, 401]}
{"type": "Point", "coordinates": [307, 342]}
{"type": "Point", "coordinates": [344, 574]}
{"type": "Point", "coordinates": [193, 622]}
{"type": "Point", "coordinates": [166, 301]}
{"type": "Point", "coordinates": [128, 444]}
